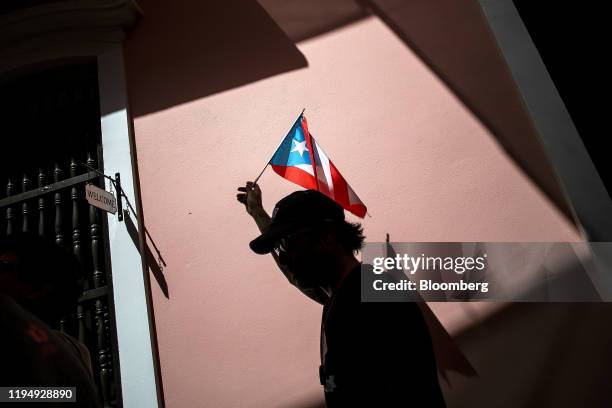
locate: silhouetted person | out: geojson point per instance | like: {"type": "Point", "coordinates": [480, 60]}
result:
{"type": "Point", "coordinates": [372, 354]}
{"type": "Point", "coordinates": [40, 283]}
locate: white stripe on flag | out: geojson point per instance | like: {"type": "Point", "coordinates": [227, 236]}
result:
{"type": "Point", "coordinates": [353, 199]}
{"type": "Point", "coordinates": [323, 171]}
{"type": "Point", "coordinates": [306, 167]}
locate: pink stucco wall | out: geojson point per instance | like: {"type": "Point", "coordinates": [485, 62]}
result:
{"type": "Point", "coordinates": [234, 333]}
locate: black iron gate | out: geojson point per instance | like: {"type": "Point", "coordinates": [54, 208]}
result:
{"type": "Point", "coordinates": [51, 130]}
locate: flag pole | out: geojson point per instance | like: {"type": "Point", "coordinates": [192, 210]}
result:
{"type": "Point", "coordinates": [282, 140]}
{"type": "Point", "coordinates": [264, 169]}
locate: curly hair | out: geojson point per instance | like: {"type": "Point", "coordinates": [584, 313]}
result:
{"type": "Point", "coordinates": [349, 234]}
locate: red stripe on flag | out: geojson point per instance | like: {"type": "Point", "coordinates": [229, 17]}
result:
{"type": "Point", "coordinates": [310, 151]}
{"type": "Point", "coordinates": [296, 175]}
{"type": "Point", "coordinates": [359, 210]}
{"type": "Point", "coordinates": [341, 195]}
{"type": "Point", "coordinates": [340, 187]}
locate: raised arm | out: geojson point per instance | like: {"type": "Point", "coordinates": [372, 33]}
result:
{"type": "Point", "coordinates": [250, 196]}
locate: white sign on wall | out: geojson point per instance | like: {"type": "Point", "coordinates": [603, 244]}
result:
{"type": "Point", "coordinates": [101, 199]}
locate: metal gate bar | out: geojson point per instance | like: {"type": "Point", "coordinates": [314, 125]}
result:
{"type": "Point", "coordinates": [75, 223]}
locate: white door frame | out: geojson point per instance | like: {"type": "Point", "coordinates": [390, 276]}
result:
{"type": "Point", "coordinates": [133, 309]}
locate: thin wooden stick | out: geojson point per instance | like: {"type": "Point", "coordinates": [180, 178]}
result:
{"type": "Point", "coordinates": [264, 169]}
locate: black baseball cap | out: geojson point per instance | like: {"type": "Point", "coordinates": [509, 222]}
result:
{"type": "Point", "coordinates": [296, 211]}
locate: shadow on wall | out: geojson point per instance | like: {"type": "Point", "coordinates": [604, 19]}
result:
{"type": "Point", "coordinates": [454, 39]}
{"type": "Point", "coordinates": [320, 404]}
{"type": "Point", "coordinates": [192, 49]}
{"type": "Point", "coordinates": [304, 19]}
{"type": "Point", "coordinates": [154, 265]}
{"type": "Point", "coordinates": [197, 48]}
{"type": "Point", "coordinates": [538, 355]}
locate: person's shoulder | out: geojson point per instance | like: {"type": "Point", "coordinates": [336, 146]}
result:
{"type": "Point", "coordinates": [80, 350]}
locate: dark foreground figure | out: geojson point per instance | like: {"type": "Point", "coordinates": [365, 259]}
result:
{"type": "Point", "coordinates": [39, 284]}
{"type": "Point", "coordinates": [372, 354]}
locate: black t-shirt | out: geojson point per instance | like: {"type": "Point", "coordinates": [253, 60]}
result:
{"type": "Point", "coordinates": [376, 354]}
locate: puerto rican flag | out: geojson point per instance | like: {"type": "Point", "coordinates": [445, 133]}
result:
{"type": "Point", "coordinates": [294, 160]}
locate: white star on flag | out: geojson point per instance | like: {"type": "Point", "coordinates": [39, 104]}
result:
{"type": "Point", "coordinates": [299, 147]}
